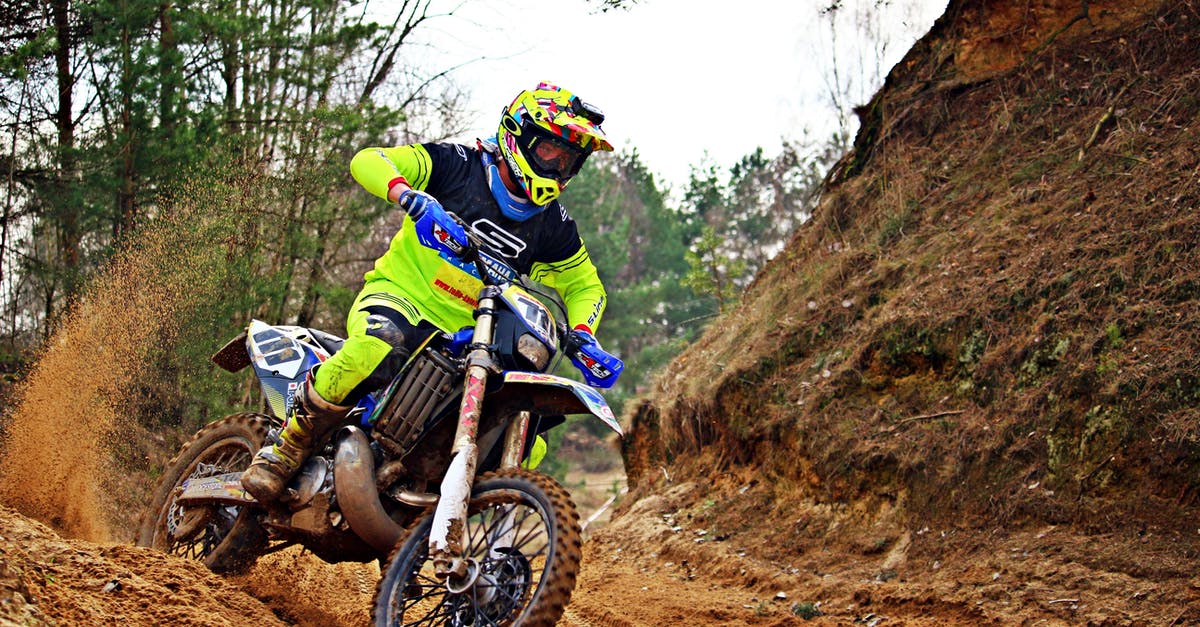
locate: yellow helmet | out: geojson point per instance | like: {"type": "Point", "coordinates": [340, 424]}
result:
{"type": "Point", "coordinates": [545, 136]}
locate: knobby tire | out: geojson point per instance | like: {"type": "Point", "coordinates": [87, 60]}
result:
{"type": "Point", "coordinates": [408, 593]}
{"type": "Point", "coordinates": [223, 446]}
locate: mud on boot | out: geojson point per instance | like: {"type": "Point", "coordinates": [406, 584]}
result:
{"type": "Point", "coordinates": [275, 464]}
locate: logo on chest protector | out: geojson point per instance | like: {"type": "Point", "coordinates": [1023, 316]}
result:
{"type": "Point", "coordinates": [504, 243]}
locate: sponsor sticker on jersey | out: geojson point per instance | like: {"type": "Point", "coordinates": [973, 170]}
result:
{"type": "Point", "coordinates": [456, 283]}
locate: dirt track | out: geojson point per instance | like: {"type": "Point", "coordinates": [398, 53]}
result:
{"type": "Point", "coordinates": [656, 566]}
{"type": "Point", "coordinates": [651, 566]}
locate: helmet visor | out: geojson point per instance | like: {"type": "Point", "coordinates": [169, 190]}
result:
{"type": "Point", "coordinates": [553, 157]}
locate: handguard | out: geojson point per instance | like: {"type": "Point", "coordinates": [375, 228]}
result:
{"type": "Point", "coordinates": [599, 367]}
{"type": "Point", "coordinates": [436, 228]}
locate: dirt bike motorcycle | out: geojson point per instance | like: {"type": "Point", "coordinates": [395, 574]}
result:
{"type": "Point", "coordinates": [427, 477]}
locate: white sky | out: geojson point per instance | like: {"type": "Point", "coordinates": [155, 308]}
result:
{"type": "Point", "coordinates": [678, 79]}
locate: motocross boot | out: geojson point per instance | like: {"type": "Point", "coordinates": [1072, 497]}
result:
{"type": "Point", "coordinates": [308, 418]}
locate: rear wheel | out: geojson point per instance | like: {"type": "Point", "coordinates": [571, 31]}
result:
{"type": "Point", "coordinates": [226, 538]}
{"type": "Point", "coordinates": [523, 552]}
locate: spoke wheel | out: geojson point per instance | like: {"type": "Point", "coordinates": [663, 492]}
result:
{"type": "Point", "coordinates": [522, 555]}
{"type": "Point", "coordinates": [225, 538]}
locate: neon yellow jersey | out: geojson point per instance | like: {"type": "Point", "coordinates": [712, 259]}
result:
{"type": "Point", "coordinates": [546, 247]}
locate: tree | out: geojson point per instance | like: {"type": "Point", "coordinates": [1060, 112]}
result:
{"type": "Point", "coordinates": [747, 215]}
{"type": "Point", "coordinates": [712, 273]}
{"type": "Point", "coordinates": [111, 102]}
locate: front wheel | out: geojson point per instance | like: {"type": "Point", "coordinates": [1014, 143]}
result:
{"type": "Point", "coordinates": [523, 550]}
{"type": "Point", "coordinates": [227, 539]}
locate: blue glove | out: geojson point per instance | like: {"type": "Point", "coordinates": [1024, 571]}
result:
{"type": "Point", "coordinates": [414, 202]}
{"type": "Point", "coordinates": [435, 228]}
{"type": "Point", "coordinates": [599, 368]}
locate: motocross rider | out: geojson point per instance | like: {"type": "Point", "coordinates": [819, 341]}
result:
{"type": "Point", "coordinates": [506, 189]}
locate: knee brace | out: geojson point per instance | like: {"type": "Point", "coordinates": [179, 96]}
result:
{"type": "Point", "coordinates": [383, 328]}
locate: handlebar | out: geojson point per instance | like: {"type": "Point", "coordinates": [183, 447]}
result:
{"type": "Point", "coordinates": [445, 232]}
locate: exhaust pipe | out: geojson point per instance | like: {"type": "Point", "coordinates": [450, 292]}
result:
{"type": "Point", "coordinates": [354, 482]}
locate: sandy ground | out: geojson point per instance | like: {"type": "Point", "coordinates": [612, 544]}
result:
{"type": "Point", "coordinates": [646, 567]}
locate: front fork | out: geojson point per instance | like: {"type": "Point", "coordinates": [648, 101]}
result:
{"type": "Point", "coordinates": [447, 537]}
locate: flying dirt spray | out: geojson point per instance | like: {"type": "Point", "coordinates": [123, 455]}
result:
{"type": "Point", "coordinates": [57, 463]}
{"type": "Point", "coordinates": [65, 458]}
